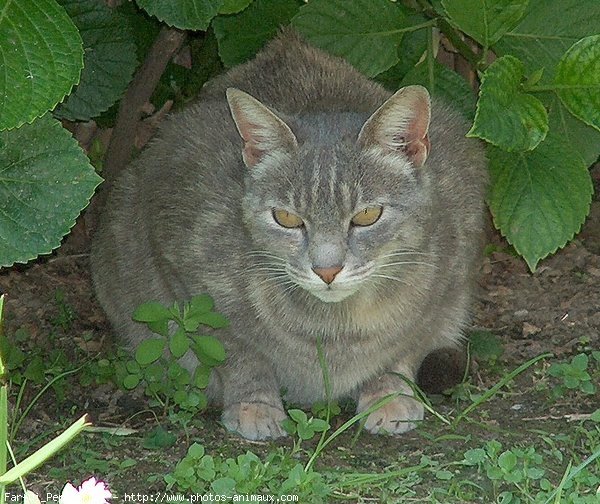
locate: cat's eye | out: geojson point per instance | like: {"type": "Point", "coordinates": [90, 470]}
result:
{"type": "Point", "coordinates": [287, 219]}
{"type": "Point", "coordinates": [367, 217]}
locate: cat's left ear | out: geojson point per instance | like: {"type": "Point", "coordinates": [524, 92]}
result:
{"type": "Point", "coordinates": [401, 125]}
{"type": "Point", "coordinates": [261, 130]}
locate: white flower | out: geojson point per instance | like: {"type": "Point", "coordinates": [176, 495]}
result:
{"type": "Point", "coordinates": [30, 498]}
{"type": "Point", "coordinates": [91, 491]}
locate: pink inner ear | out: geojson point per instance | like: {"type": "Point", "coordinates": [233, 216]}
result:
{"type": "Point", "coordinates": [415, 140]}
{"type": "Point", "coordinates": [251, 154]}
{"type": "Point", "coordinates": [418, 150]}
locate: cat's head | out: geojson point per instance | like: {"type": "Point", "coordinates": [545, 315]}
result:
{"type": "Point", "coordinates": [334, 201]}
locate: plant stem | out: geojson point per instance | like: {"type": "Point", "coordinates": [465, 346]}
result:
{"type": "Point", "coordinates": [460, 45]}
{"type": "Point", "coordinates": [452, 35]}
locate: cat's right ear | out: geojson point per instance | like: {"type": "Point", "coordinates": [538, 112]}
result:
{"type": "Point", "coordinates": [401, 125]}
{"type": "Point", "coordinates": [261, 130]}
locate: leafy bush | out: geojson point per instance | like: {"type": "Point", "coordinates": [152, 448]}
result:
{"type": "Point", "coordinates": [538, 106]}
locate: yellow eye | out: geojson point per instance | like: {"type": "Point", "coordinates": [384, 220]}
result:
{"type": "Point", "coordinates": [287, 219]}
{"type": "Point", "coordinates": [367, 217]}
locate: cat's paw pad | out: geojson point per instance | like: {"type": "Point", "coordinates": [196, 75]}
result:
{"type": "Point", "coordinates": [254, 421]}
{"type": "Point", "coordinates": [396, 417]}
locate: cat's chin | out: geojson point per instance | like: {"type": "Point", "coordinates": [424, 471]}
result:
{"type": "Point", "coordinates": [332, 295]}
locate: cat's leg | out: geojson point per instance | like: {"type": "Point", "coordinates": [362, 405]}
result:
{"type": "Point", "coordinates": [249, 393]}
{"type": "Point", "coordinates": [401, 413]}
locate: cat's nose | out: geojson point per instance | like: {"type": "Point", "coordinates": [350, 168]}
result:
{"type": "Point", "coordinates": [328, 274]}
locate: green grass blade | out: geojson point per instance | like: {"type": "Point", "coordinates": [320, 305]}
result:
{"type": "Point", "coordinates": [492, 391]}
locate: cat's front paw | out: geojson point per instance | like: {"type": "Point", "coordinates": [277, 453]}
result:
{"type": "Point", "coordinates": [254, 420]}
{"type": "Point", "coordinates": [396, 417]}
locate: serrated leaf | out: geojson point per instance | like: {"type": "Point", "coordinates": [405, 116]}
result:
{"type": "Point", "coordinates": [152, 311]}
{"type": "Point", "coordinates": [240, 36]}
{"type": "Point", "coordinates": [539, 199]}
{"type": "Point", "coordinates": [506, 116]}
{"type": "Point", "coordinates": [42, 55]}
{"type": "Point", "coordinates": [485, 20]}
{"type": "Point", "coordinates": [233, 6]}
{"type": "Point", "coordinates": [547, 30]}
{"type": "Point", "coordinates": [149, 351]}
{"type": "Point", "coordinates": [179, 343]}
{"type": "Point", "coordinates": [183, 14]}
{"type": "Point", "coordinates": [45, 181]}
{"type": "Point", "coordinates": [109, 61]}
{"type": "Point", "coordinates": [366, 33]}
{"type": "Point", "coordinates": [444, 83]}
{"type": "Point", "coordinates": [578, 80]}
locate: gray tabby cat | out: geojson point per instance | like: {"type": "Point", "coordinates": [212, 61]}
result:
{"type": "Point", "coordinates": [310, 203]}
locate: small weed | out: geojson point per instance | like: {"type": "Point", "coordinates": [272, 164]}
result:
{"type": "Point", "coordinates": [66, 314]}
{"type": "Point", "coordinates": [574, 375]}
{"type": "Point", "coordinates": [177, 331]}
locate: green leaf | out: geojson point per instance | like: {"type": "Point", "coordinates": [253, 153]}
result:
{"type": "Point", "coordinates": [109, 61]}
{"type": "Point", "coordinates": [42, 56]}
{"type": "Point", "coordinates": [212, 319]}
{"type": "Point", "coordinates": [298, 416]}
{"type": "Point", "coordinates": [582, 138]}
{"type": "Point", "coordinates": [149, 351]}
{"type": "Point", "coordinates": [202, 376]}
{"type": "Point", "coordinates": [223, 486]}
{"type": "Point", "coordinates": [506, 116]}
{"type": "Point", "coordinates": [412, 48]}
{"type": "Point", "coordinates": [240, 36]}
{"type": "Point", "coordinates": [580, 362]}
{"type": "Point", "coordinates": [485, 20]}
{"type": "Point", "coordinates": [183, 14]}
{"type": "Point", "coordinates": [595, 417]}
{"type": "Point", "coordinates": [196, 451]}
{"type": "Point", "coordinates": [319, 425]}
{"type": "Point", "coordinates": [201, 304]}
{"type": "Point", "coordinates": [366, 33]}
{"type": "Point", "coordinates": [507, 461]}
{"type": "Point", "coordinates": [578, 80]}
{"type": "Point", "coordinates": [131, 381]}
{"type": "Point", "coordinates": [305, 431]}
{"type": "Point", "coordinates": [539, 199]}
{"type": "Point", "coordinates": [547, 30]}
{"type": "Point", "coordinates": [151, 311]}
{"type": "Point", "coordinates": [179, 343]}
{"type": "Point", "coordinates": [444, 83]}
{"type": "Point", "coordinates": [233, 6]}
{"type": "Point", "coordinates": [444, 475]}
{"type": "Point", "coordinates": [45, 181]}
{"type": "Point", "coordinates": [210, 347]}
{"type": "Point", "coordinates": [485, 345]}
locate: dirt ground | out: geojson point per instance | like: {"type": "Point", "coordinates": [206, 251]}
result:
{"type": "Point", "coordinates": [556, 309]}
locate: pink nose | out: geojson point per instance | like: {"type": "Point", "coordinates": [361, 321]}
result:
{"type": "Point", "coordinates": [328, 274]}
